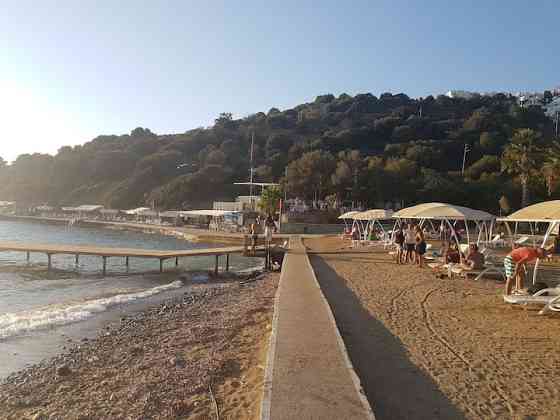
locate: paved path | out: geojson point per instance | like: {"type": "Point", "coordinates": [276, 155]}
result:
{"type": "Point", "coordinates": [309, 375]}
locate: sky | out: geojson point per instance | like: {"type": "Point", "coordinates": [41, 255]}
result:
{"type": "Point", "coordinates": [72, 70]}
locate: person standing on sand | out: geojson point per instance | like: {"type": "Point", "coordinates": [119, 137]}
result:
{"type": "Point", "coordinates": [254, 238]}
{"type": "Point", "coordinates": [516, 262]}
{"type": "Point", "coordinates": [399, 241]}
{"type": "Point", "coordinates": [410, 242]}
{"type": "Point", "coordinates": [420, 247]}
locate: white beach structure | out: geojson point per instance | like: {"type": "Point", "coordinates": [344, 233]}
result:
{"type": "Point", "coordinates": [449, 214]}
{"type": "Point", "coordinates": [367, 220]}
{"type": "Point", "coordinates": [547, 212]}
{"type": "Point", "coordinates": [347, 216]}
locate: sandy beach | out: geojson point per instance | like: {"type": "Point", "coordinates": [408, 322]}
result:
{"type": "Point", "coordinates": [187, 358]}
{"type": "Point", "coordinates": [426, 348]}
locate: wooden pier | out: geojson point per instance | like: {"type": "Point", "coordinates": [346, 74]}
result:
{"type": "Point", "coordinates": [127, 253]}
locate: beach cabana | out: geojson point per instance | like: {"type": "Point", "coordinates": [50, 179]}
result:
{"type": "Point", "coordinates": [449, 214]}
{"type": "Point", "coordinates": [547, 212]}
{"type": "Point", "coordinates": [347, 216]}
{"type": "Point", "coordinates": [368, 219]}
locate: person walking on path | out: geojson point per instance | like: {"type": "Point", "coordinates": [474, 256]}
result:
{"type": "Point", "coordinates": [515, 264]}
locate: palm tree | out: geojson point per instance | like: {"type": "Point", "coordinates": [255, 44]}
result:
{"type": "Point", "coordinates": [521, 158]}
{"type": "Point", "coordinates": [551, 167]}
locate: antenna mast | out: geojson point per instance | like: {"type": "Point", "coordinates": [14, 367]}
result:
{"type": "Point", "coordinates": [251, 168]}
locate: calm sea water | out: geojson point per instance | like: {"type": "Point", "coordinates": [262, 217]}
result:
{"type": "Point", "coordinates": [39, 310]}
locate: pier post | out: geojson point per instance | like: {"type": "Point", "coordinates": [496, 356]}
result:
{"type": "Point", "coordinates": [77, 259]}
{"type": "Point", "coordinates": [227, 262]}
{"type": "Point", "coordinates": [27, 256]}
{"type": "Point", "coordinates": [161, 265]}
{"type": "Point", "coordinates": [216, 266]}
{"type": "Point", "coordinates": [126, 262]}
{"type": "Point", "coordinates": [176, 261]}
{"type": "Point", "coordinates": [50, 261]}
{"type": "Point", "coordinates": [104, 265]}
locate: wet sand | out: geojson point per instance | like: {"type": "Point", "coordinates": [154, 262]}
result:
{"type": "Point", "coordinates": [184, 358]}
{"type": "Point", "coordinates": [426, 348]}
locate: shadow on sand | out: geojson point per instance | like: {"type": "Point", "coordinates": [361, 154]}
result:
{"type": "Point", "coordinates": [395, 387]}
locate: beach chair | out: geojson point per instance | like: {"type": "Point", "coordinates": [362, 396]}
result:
{"type": "Point", "coordinates": [549, 297]}
{"type": "Point", "coordinates": [496, 242]}
{"type": "Point", "coordinates": [552, 306]}
{"type": "Point", "coordinates": [522, 240]}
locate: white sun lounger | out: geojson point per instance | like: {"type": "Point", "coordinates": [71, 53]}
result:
{"type": "Point", "coordinates": [550, 298]}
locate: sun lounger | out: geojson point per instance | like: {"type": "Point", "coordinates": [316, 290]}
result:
{"type": "Point", "coordinates": [522, 240]}
{"type": "Point", "coordinates": [549, 297]}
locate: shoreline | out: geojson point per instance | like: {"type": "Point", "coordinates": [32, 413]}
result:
{"type": "Point", "coordinates": [182, 232]}
{"type": "Point", "coordinates": [160, 361]}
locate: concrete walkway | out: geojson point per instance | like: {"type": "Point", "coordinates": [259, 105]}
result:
{"type": "Point", "coordinates": [309, 374]}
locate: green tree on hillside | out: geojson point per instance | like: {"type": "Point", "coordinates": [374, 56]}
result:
{"type": "Point", "coordinates": [551, 167]}
{"type": "Point", "coordinates": [521, 158]}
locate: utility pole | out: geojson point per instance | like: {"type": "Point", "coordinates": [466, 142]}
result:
{"type": "Point", "coordinates": [557, 118]}
{"type": "Point", "coordinates": [251, 170]}
{"type": "Point", "coordinates": [285, 184]}
{"type": "Point", "coordinates": [465, 151]}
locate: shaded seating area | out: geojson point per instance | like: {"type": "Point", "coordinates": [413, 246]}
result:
{"type": "Point", "coordinates": [372, 231]}
{"type": "Point", "coordinates": [546, 214]}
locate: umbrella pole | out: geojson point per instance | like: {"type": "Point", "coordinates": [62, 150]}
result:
{"type": "Point", "coordinates": [551, 227]}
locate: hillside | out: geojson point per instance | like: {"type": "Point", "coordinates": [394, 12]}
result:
{"type": "Point", "coordinates": [365, 148]}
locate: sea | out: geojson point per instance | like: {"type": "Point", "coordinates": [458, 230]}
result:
{"type": "Point", "coordinates": [42, 312]}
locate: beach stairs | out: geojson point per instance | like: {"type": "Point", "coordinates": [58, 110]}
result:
{"type": "Point", "coordinates": [308, 374]}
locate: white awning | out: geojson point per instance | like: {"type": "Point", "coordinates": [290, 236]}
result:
{"type": "Point", "coordinates": [348, 215]}
{"type": "Point", "coordinates": [138, 210]}
{"type": "Point", "coordinates": [547, 211]}
{"type": "Point", "coordinates": [212, 213]}
{"type": "Point", "coordinates": [442, 211]}
{"type": "Point", "coordinates": [373, 214]}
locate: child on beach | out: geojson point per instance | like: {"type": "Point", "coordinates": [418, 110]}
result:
{"type": "Point", "coordinates": [516, 262]}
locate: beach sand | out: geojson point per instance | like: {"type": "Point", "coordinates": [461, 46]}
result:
{"type": "Point", "coordinates": [160, 363]}
{"type": "Point", "coordinates": [426, 348]}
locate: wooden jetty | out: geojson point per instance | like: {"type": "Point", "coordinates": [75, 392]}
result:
{"type": "Point", "coordinates": [127, 253]}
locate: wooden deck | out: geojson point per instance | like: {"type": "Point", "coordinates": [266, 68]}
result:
{"type": "Point", "coordinates": [106, 252]}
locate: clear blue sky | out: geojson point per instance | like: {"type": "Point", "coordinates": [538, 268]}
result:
{"type": "Point", "coordinates": [70, 70]}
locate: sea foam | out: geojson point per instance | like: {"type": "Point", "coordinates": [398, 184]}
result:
{"type": "Point", "coordinates": [12, 324]}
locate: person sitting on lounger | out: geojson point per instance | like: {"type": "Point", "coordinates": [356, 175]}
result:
{"type": "Point", "coordinates": [515, 263]}
{"type": "Point", "coordinates": [474, 260]}
{"type": "Point", "coordinates": [452, 254]}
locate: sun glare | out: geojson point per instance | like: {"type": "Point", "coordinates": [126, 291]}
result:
{"type": "Point", "coordinates": [31, 124]}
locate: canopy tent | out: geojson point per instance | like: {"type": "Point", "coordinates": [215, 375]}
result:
{"type": "Point", "coordinates": [347, 216]}
{"type": "Point", "coordinates": [545, 212]}
{"type": "Point", "coordinates": [447, 213]}
{"type": "Point", "coordinates": [371, 218]}
{"type": "Point", "coordinates": [211, 213]}
{"type": "Point", "coordinates": [137, 211]}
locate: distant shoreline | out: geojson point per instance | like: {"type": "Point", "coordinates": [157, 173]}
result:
{"type": "Point", "coordinates": [186, 233]}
